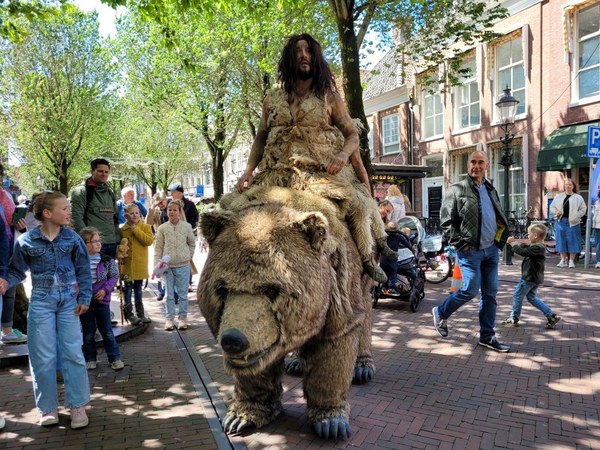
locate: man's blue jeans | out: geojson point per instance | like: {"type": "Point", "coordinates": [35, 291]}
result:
{"type": "Point", "coordinates": [527, 289]}
{"type": "Point", "coordinates": [98, 316]}
{"type": "Point", "coordinates": [52, 324]}
{"type": "Point", "coordinates": [597, 236]}
{"type": "Point", "coordinates": [177, 278]}
{"type": "Point", "coordinates": [479, 269]}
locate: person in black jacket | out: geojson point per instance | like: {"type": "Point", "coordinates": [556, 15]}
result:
{"type": "Point", "coordinates": [532, 275]}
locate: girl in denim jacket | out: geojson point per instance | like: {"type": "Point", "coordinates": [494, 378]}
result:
{"type": "Point", "coordinates": [61, 290]}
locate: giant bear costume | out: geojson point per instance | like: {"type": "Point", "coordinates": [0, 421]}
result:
{"type": "Point", "coordinates": [283, 273]}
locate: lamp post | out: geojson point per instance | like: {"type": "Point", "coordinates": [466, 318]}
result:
{"type": "Point", "coordinates": [507, 108]}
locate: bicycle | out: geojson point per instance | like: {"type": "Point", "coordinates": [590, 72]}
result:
{"type": "Point", "coordinates": [434, 259]}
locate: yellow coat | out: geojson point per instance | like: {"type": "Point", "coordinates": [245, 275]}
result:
{"type": "Point", "coordinates": [135, 265]}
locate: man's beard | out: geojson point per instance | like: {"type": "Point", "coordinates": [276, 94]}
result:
{"type": "Point", "coordinates": [302, 75]}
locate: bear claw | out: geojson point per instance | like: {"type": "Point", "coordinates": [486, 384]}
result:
{"type": "Point", "coordinates": [362, 375]}
{"type": "Point", "coordinates": [233, 424]}
{"type": "Point", "coordinates": [293, 366]}
{"type": "Point", "coordinates": [333, 428]}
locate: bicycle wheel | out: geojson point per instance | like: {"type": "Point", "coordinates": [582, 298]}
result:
{"type": "Point", "coordinates": [437, 269]}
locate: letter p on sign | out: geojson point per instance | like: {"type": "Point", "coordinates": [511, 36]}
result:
{"type": "Point", "coordinates": [593, 147]}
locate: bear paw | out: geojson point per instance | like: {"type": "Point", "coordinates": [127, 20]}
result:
{"type": "Point", "coordinates": [362, 375]}
{"type": "Point", "coordinates": [333, 428]}
{"type": "Point", "coordinates": [233, 424]}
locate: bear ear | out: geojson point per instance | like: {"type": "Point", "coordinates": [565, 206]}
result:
{"type": "Point", "coordinates": [314, 225]}
{"type": "Point", "coordinates": [212, 223]}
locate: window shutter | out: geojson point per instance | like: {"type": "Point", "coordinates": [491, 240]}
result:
{"type": "Point", "coordinates": [525, 38]}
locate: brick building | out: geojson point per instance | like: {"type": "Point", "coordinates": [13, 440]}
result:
{"type": "Point", "coordinates": [548, 54]}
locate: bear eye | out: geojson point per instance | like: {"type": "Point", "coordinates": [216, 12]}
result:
{"type": "Point", "coordinates": [222, 292]}
{"type": "Point", "coordinates": [272, 292]}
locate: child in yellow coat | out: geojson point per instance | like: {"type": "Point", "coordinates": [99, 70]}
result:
{"type": "Point", "coordinates": [134, 267]}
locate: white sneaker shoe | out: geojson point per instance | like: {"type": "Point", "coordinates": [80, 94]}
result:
{"type": "Point", "coordinates": [49, 419]}
{"type": "Point", "coordinates": [562, 263]}
{"type": "Point", "coordinates": [169, 325]}
{"type": "Point", "coordinates": [571, 265]}
{"type": "Point", "coordinates": [597, 266]}
{"type": "Point", "coordinates": [117, 364]}
{"type": "Point", "coordinates": [79, 418]}
{"type": "Point", "coordinates": [90, 365]}
{"type": "Point", "coordinates": [183, 323]}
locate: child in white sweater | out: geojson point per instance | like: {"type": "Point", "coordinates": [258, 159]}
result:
{"type": "Point", "coordinates": [176, 239]}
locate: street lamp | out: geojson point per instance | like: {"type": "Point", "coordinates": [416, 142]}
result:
{"type": "Point", "coordinates": [507, 108]}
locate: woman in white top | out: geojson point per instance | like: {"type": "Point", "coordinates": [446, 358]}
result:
{"type": "Point", "coordinates": [395, 197]}
{"type": "Point", "coordinates": [568, 207]}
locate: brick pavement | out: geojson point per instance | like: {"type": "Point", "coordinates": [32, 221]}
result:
{"type": "Point", "coordinates": [427, 393]}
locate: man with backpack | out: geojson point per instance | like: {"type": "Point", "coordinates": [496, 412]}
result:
{"type": "Point", "coordinates": [93, 204]}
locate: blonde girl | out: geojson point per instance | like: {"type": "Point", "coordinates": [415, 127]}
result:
{"type": "Point", "coordinates": [175, 238]}
{"type": "Point", "coordinates": [61, 280]}
{"type": "Point", "coordinates": [134, 267]}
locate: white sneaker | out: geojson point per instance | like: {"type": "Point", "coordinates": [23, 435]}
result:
{"type": "Point", "coordinates": [49, 419]}
{"type": "Point", "coordinates": [562, 263]}
{"type": "Point", "coordinates": [117, 364]}
{"type": "Point", "coordinates": [183, 323]}
{"type": "Point", "coordinates": [169, 325]}
{"type": "Point", "coordinates": [90, 365]}
{"type": "Point", "coordinates": [597, 266]}
{"type": "Point", "coordinates": [79, 418]}
{"type": "Point", "coordinates": [571, 265]}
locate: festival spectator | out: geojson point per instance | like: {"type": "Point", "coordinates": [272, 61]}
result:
{"type": "Point", "coordinates": [135, 264]}
{"type": "Point", "coordinates": [127, 197]}
{"type": "Point", "coordinates": [175, 239]}
{"type": "Point", "coordinates": [94, 205]}
{"type": "Point", "coordinates": [568, 207]}
{"type": "Point", "coordinates": [105, 275]}
{"type": "Point", "coordinates": [58, 262]}
{"type": "Point", "coordinates": [395, 197]}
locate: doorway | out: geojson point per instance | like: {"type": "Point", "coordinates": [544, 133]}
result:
{"type": "Point", "coordinates": [432, 197]}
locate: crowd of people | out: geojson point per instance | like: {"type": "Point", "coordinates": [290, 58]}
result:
{"type": "Point", "coordinates": [77, 251]}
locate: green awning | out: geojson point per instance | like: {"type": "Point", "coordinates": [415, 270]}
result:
{"type": "Point", "coordinates": [565, 148]}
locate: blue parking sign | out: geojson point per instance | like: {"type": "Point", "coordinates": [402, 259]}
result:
{"type": "Point", "coordinates": [593, 147]}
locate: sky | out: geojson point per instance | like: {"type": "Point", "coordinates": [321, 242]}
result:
{"type": "Point", "coordinates": [107, 15]}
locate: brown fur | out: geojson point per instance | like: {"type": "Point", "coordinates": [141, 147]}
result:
{"type": "Point", "coordinates": [286, 277]}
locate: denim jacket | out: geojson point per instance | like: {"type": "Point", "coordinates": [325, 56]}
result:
{"type": "Point", "coordinates": [63, 261]}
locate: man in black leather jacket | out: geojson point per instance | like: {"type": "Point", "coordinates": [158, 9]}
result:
{"type": "Point", "coordinates": [475, 224]}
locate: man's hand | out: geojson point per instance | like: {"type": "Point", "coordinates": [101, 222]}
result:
{"type": "Point", "coordinates": [21, 226]}
{"type": "Point", "coordinates": [81, 309]}
{"type": "Point", "coordinates": [100, 295]}
{"type": "Point", "coordinates": [244, 182]}
{"type": "Point", "coordinates": [337, 163]}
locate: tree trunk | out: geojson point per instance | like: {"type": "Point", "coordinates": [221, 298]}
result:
{"type": "Point", "coordinates": [217, 166]}
{"type": "Point", "coordinates": [352, 84]}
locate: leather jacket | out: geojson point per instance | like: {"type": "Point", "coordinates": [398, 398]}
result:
{"type": "Point", "coordinates": [460, 215]}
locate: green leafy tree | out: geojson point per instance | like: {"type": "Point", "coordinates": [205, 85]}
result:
{"type": "Point", "coordinates": [14, 13]}
{"type": "Point", "coordinates": [57, 86]}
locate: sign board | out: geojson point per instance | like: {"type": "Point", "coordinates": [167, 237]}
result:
{"type": "Point", "coordinates": [199, 190]}
{"type": "Point", "coordinates": [593, 143]}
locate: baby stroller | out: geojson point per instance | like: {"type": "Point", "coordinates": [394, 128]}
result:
{"type": "Point", "coordinates": [406, 280]}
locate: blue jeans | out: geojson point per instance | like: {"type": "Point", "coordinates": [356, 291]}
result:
{"type": "Point", "coordinates": [597, 236]}
{"type": "Point", "coordinates": [528, 289]}
{"type": "Point", "coordinates": [479, 269]}
{"type": "Point", "coordinates": [568, 238]}
{"type": "Point", "coordinates": [98, 316]}
{"type": "Point", "coordinates": [52, 322]}
{"type": "Point", "coordinates": [177, 278]}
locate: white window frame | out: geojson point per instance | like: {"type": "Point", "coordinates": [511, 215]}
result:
{"type": "Point", "coordinates": [390, 146]}
{"type": "Point", "coordinates": [517, 200]}
{"type": "Point", "coordinates": [436, 116]}
{"type": "Point", "coordinates": [370, 136]}
{"type": "Point", "coordinates": [576, 54]}
{"type": "Point", "coordinates": [467, 82]}
{"type": "Point", "coordinates": [520, 93]}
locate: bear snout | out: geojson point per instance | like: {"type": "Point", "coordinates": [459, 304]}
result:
{"type": "Point", "coordinates": [234, 341]}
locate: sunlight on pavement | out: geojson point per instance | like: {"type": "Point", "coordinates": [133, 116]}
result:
{"type": "Point", "coordinates": [579, 386]}
{"type": "Point", "coordinates": [179, 389]}
{"type": "Point", "coordinates": [152, 443]}
{"type": "Point", "coordinates": [450, 348]}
